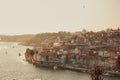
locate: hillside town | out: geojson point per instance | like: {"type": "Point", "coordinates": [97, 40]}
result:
{"type": "Point", "coordinates": [80, 51]}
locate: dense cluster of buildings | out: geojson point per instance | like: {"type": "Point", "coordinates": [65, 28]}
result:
{"type": "Point", "coordinates": [82, 49]}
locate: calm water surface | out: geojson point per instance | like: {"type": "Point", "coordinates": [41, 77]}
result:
{"type": "Point", "coordinates": [13, 67]}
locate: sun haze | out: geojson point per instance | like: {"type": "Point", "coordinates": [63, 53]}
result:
{"type": "Point", "coordinates": [37, 16]}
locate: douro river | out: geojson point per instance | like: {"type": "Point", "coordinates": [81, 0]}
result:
{"type": "Point", "coordinates": [14, 67]}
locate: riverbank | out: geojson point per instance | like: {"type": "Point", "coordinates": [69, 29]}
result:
{"type": "Point", "coordinates": [13, 66]}
{"type": "Point", "coordinates": [55, 63]}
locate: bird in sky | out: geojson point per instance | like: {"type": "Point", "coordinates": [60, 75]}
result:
{"type": "Point", "coordinates": [83, 6]}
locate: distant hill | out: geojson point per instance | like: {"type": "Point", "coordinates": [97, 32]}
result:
{"type": "Point", "coordinates": [102, 36]}
{"type": "Point", "coordinates": [42, 37]}
{"type": "Point", "coordinates": [16, 38]}
{"type": "Point", "coordinates": [49, 37]}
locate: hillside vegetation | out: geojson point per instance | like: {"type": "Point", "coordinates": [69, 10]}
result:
{"type": "Point", "coordinates": [49, 37]}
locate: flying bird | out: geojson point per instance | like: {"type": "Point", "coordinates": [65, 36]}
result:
{"type": "Point", "coordinates": [83, 6]}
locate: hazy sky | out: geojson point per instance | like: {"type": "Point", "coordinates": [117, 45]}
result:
{"type": "Point", "coordinates": [36, 16]}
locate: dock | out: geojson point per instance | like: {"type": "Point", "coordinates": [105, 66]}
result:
{"type": "Point", "coordinates": [78, 69]}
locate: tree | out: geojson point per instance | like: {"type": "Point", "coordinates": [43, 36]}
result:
{"type": "Point", "coordinates": [118, 63]}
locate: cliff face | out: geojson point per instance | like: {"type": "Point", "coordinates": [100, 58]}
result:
{"type": "Point", "coordinates": [29, 55]}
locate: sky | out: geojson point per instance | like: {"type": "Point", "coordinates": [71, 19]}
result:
{"type": "Point", "coordinates": [38, 16]}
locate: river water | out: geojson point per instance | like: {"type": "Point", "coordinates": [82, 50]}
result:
{"type": "Point", "coordinates": [13, 67]}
